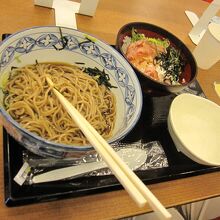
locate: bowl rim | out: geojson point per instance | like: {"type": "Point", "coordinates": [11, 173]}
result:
{"type": "Point", "coordinates": [79, 148]}
{"type": "Point", "coordinates": [170, 34]}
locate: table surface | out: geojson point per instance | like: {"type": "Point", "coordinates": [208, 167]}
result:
{"type": "Point", "coordinates": [109, 17]}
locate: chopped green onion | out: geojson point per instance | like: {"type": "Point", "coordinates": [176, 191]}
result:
{"type": "Point", "coordinates": [135, 36]}
{"type": "Point", "coordinates": [164, 43]}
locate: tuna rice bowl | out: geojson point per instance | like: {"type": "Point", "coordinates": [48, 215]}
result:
{"type": "Point", "coordinates": [154, 57]}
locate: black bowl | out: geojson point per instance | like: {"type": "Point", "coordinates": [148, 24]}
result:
{"type": "Point", "coordinates": [149, 30]}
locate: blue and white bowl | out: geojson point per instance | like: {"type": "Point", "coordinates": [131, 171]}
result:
{"type": "Point", "coordinates": [46, 44]}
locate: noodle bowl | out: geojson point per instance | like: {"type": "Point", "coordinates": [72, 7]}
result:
{"type": "Point", "coordinates": [113, 112]}
{"type": "Point", "coordinates": [30, 101]}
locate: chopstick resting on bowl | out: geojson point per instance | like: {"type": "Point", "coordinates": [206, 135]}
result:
{"type": "Point", "coordinates": [129, 180]}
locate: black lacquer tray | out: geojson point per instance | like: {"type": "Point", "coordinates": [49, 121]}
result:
{"type": "Point", "coordinates": [152, 126]}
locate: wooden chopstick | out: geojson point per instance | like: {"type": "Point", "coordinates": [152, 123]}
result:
{"type": "Point", "coordinates": [130, 181]}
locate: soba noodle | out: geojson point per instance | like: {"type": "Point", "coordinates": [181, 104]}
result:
{"type": "Point", "coordinates": [30, 101]}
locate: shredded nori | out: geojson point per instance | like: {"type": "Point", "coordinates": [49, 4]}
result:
{"type": "Point", "coordinates": [101, 77]}
{"type": "Point", "coordinates": [87, 40]}
{"type": "Point", "coordinates": [172, 62]}
{"type": "Point", "coordinates": [13, 67]}
{"type": "Point", "coordinates": [64, 41]}
{"type": "Point", "coordinates": [80, 63]}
